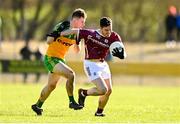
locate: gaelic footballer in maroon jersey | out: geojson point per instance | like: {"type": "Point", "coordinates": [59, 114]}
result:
{"type": "Point", "coordinates": [96, 45]}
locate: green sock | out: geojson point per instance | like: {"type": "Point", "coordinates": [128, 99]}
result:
{"type": "Point", "coordinates": [39, 103]}
{"type": "Point", "coordinates": [71, 99]}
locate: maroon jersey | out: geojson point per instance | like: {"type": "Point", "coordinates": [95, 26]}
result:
{"type": "Point", "coordinates": [96, 46]}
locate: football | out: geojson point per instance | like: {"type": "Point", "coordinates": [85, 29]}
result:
{"type": "Point", "coordinates": [116, 44]}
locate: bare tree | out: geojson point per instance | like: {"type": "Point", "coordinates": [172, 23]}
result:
{"type": "Point", "coordinates": [33, 23]}
{"type": "Point", "coordinates": [27, 28]}
{"type": "Point", "coordinates": [54, 13]}
{"type": "Point", "coordinates": [18, 7]}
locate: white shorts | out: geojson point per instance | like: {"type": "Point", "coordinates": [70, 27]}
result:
{"type": "Point", "coordinates": [96, 70]}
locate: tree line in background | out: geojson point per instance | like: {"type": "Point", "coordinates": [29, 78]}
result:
{"type": "Point", "coordinates": [135, 20]}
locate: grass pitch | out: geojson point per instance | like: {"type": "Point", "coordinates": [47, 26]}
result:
{"type": "Point", "coordinates": [133, 104]}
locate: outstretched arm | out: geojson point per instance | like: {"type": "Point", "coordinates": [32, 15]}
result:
{"type": "Point", "coordinates": [52, 37]}
{"type": "Point", "coordinates": [70, 31]}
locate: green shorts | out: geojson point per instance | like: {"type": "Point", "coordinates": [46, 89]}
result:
{"type": "Point", "coordinates": [50, 62]}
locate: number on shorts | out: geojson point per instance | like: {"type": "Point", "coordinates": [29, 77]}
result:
{"type": "Point", "coordinates": [88, 71]}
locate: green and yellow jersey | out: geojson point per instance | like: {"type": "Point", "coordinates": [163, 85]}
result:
{"type": "Point", "coordinates": [57, 50]}
{"type": "Point", "coordinates": [60, 46]}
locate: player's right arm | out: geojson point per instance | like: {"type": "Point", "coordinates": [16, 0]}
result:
{"type": "Point", "coordinates": [80, 34]}
{"type": "Point", "coordinates": [70, 31]}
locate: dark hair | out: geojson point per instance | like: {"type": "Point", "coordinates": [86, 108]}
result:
{"type": "Point", "coordinates": [79, 13]}
{"type": "Point", "coordinates": [105, 21]}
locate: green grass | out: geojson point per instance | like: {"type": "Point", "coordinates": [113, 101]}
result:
{"type": "Point", "coordinates": [133, 104]}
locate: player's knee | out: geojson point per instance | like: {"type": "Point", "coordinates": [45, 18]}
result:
{"type": "Point", "coordinates": [109, 91]}
{"type": "Point", "coordinates": [71, 75]}
{"type": "Point", "coordinates": [103, 91]}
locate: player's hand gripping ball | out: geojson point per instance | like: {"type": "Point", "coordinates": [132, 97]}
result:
{"type": "Point", "coordinates": [117, 49]}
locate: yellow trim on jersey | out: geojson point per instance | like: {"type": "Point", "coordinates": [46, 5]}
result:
{"type": "Point", "coordinates": [59, 47]}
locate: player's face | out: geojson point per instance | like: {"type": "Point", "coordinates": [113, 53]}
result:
{"type": "Point", "coordinates": [78, 22]}
{"type": "Point", "coordinates": [106, 31]}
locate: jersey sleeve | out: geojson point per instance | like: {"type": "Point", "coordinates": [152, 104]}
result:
{"type": "Point", "coordinates": [82, 34]}
{"type": "Point", "coordinates": [117, 37]}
